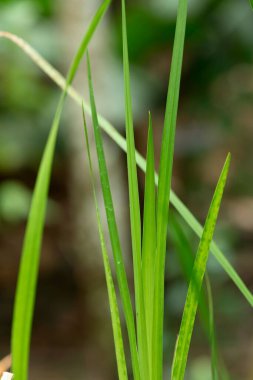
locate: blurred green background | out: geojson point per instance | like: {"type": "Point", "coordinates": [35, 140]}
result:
{"type": "Point", "coordinates": [72, 333]}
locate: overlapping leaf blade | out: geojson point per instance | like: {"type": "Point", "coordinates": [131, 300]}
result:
{"type": "Point", "coordinates": [216, 251]}
{"type": "Point", "coordinates": [134, 203]}
{"type": "Point", "coordinates": [185, 256]}
{"type": "Point", "coordinates": [116, 325]}
{"type": "Point", "coordinates": [113, 231]}
{"type": "Point", "coordinates": [149, 241]}
{"type": "Point", "coordinates": [28, 273]}
{"type": "Point", "coordinates": [212, 337]}
{"type": "Point", "coordinates": [191, 304]}
{"type": "Point", "coordinates": [164, 184]}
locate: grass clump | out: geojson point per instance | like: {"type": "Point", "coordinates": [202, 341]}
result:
{"type": "Point", "coordinates": [117, 333]}
{"type": "Point", "coordinates": [149, 247]}
{"type": "Point", "coordinates": [144, 321]}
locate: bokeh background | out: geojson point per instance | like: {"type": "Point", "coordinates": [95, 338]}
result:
{"type": "Point", "coordinates": [72, 335]}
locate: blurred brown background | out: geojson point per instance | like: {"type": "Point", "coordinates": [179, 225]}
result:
{"type": "Point", "coordinates": [72, 336]}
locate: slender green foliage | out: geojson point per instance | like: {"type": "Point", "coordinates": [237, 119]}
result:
{"type": "Point", "coordinates": [251, 3]}
{"type": "Point", "coordinates": [134, 203]}
{"type": "Point", "coordinates": [117, 333]}
{"type": "Point", "coordinates": [220, 257]}
{"type": "Point", "coordinates": [112, 132]}
{"type": "Point", "coordinates": [212, 338]}
{"type": "Point", "coordinates": [191, 304]}
{"type": "Point", "coordinates": [164, 184]}
{"type": "Point", "coordinates": [185, 255]}
{"type": "Point", "coordinates": [28, 273]}
{"type": "Point", "coordinates": [149, 241]}
{"type": "Point", "coordinates": [113, 231]}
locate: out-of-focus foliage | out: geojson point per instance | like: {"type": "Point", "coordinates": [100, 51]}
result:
{"type": "Point", "coordinates": [27, 102]}
{"type": "Point", "coordinates": [14, 201]}
{"type": "Point", "coordinates": [26, 97]}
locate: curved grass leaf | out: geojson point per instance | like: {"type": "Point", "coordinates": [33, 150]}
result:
{"type": "Point", "coordinates": [28, 273]}
{"type": "Point", "coordinates": [112, 132]}
{"type": "Point", "coordinates": [149, 241]}
{"type": "Point", "coordinates": [164, 185]}
{"type": "Point", "coordinates": [113, 231]}
{"type": "Point", "coordinates": [199, 268]}
{"type": "Point", "coordinates": [135, 218]}
{"type": "Point", "coordinates": [251, 3]}
{"type": "Point", "coordinates": [116, 326]}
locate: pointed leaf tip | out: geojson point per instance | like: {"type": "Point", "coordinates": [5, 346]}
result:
{"type": "Point", "coordinates": [199, 268]}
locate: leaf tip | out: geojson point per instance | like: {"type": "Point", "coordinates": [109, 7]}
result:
{"type": "Point", "coordinates": [227, 162]}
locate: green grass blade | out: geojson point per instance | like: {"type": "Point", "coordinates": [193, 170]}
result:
{"type": "Point", "coordinates": [164, 183]}
{"type": "Point", "coordinates": [113, 231]}
{"type": "Point", "coordinates": [251, 3]}
{"type": "Point", "coordinates": [117, 333]}
{"type": "Point", "coordinates": [135, 219]}
{"type": "Point", "coordinates": [212, 338]}
{"type": "Point", "coordinates": [185, 256]}
{"type": "Point", "coordinates": [87, 37]}
{"type": "Point", "coordinates": [112, 132]}
{"type": "Point", "coordinates": [219, 370]}
{"type": "Point", "coordinates": [149, 240]}
{"type": "Point", "coordinates": [191, 304]}
{"type": "Point", "coordinates": [216, 251]}
{"type": "Point", "coordinates": [25, 293]}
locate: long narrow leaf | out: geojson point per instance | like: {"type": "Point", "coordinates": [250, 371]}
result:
{"type": "Point", "coordinates": [28, 273]}
{"type": "Point", "coordinates": [212, 338]}
{"type": "Point", "coordinates": [116, 326]}
{"type": "Point", "coordinates": [135, 219]}
{"type": "Point", "coordinates": [164, 183]}
{"type": "Point", "coordinates": [113, 231]}
{"type": "Point", "coordinates": [149, 240]}
{"type": "Point", "coordinates": [112, 132]}
{"type": "Point", "coordinates": [216, 251]}
{"type": "Point", "coordinates": [186, 255]}
{"type": "Point", "coordinates": [191, 304]}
